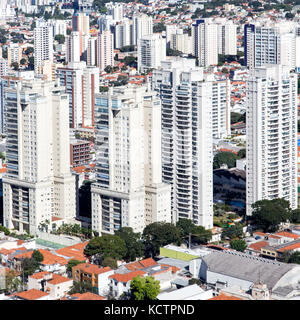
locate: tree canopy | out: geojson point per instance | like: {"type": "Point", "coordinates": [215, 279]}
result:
{"type": "Point", "coordinates": [224, 157]}
{"type": "Point", "coordinates": [159, 234]}
{"type": "Point", "coordinates": [144, 288]}
{"type": "Point", "coordinates": [106, 246]}
{"type": "Point", "coordinates": [133, 243]}
{"type": "Point", "coordinates": [238, 245]}
{"type": "Point", "coordinates": [268, 214]}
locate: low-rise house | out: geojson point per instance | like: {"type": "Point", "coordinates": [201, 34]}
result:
{"type": "Point", "coordinates": [55, 285]}
{"type": "Point", "coordinates": [255, 248]}
{"type": "Point", "coordinates": [50, 263]}
{"type": "Point", "coordinates": [84, 296]}
{"type": "Point", "coordinates": [120, 283]}
{"type": "Point", "coordinates": [58, 286]}
{"type": "Point", "coordinates": [96, 276]}
{"type": "Point", "coordinates": [32, 294]}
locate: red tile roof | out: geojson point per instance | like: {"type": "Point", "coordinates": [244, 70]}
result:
{"type": "Point", "coordinates": [32, 294]}
{"type": "Point", "coordinates": [39, 275]}
{"type": "Point", "coordinates": [258, 245]}
{"type": "Point", "coordinates": [138, 265]}
{"type": "Point", "coordinates": [91, 268]}
{"type": "Point", "coordinates": [87, 296]}
{"type": "Point", "coordinates": [223, 296]}
{"type": "Point", "coordinates": [57, 279]}
{"type": "Point", "coordinates": [127, 276]}
{"type": "Point", "coordinates": [287, 234]}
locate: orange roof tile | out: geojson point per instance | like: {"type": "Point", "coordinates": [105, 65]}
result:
{"type": "Point", "coordinates": [223, 296]}
{"type": "Point", "coordinates": [57, 279]}
{"type": "Point", "coordinates": [287, 234]}
{"type": "Point", "coordinates": [258, 245]}
{"type": "Point", "coordinates": [87, 296]}
{"type": "Point", "coordinates": [289, 247]}
{"type": "Point", "coordinates": [39, 275]}
{"type": "Point", "coordinates": [32, 294]}
{"type": "Point", "coordinates": [127, 276]}
{"type": "Point", "coordinates": [91, 268]}
{"type": "Point", "coordinates": [49, 258]}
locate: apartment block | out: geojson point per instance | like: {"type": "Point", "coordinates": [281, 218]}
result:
{"type": "Point", "coordinates": [271, 135]}
{"type": "Point", "coordinates": [129, 191]}
{"type": "Point", "coordinates": [38, 184]}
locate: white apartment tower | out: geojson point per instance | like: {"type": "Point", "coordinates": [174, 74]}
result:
{"type": "Point", "coordinates": [142, 26]}
{"type": "Point", "coordinates": [116, 10]}
{"type": "Point", "coordinates": [105, 52]}
{"type": "Point", "coordinates": [205, 42]}
{"type": "Point", "coordinates": [81, 82]}
{"type": "Point", "coordinates": [186, 138]}
{"type": "Point", "coordinates": [129, 191]}
{"type": "Point", "coordinates": [151, 51]}
{"type": "Point", "coordinates": [73, 47]}
{"type": "Point", "coordinates": [267, 43]}
{"type": "Point", "coordinates": [38, 184]}
{"type": "Point", "coordinates": [43, 46]}
{"type": "Point", "coordinates": [227, 38]}
{"type": "Point", "coordinates": [271, 135]}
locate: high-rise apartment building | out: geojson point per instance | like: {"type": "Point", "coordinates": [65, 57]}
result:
{"type": "Point", "coordinates": [14, 53]}
{"type": "Point", "coordinates": [142, 26]}
{"type": "Point", "coordinates": [227, 37]}
{"type": "Point", "coordinates": [116, 10]}
{"type": "Point", "coordinates": [92, 51]}
{"type": "Point", "coordinates": [129, 191]}
{"type": "Point", "coordinates": [43, 45]}
{"type": "Point", "coordinates": [267, 43]}
{"type": "Point", "coordinates": [122, 33]}
{"type": "Point", "coordinates": [205, 42]}
{"type": "Point", "coordinates": [73, 47]}
{"type": "Point", "coordinates": [81, 23]}
{"type": "Point", "coordinates": [81, 83]}
{"type": "Point", "coordinates": [38, 184]}
{"type": "Point", "coordinates": [271, 135]}
{"type": "Point", "coordinates": [105, 52]}
{"type": "Point", "coordinates": [186, 138]}
{"type": "Point", "coordinates": [151, 51]}
{"type": "Point", "coordinates": [181, 41]}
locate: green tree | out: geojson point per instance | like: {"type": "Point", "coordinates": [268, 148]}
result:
{"type": "Point", "coordinates": [238, 245]}
{"type": "Point", "coordinates": [134, 245]}
{"type": "Point", "coordinates": [290, 257]}
{"type": "Point", "coordinates": [224, 157]}
{"type": "Point", "coordinates": [109, 262]}
{"type": "Point", "coordinates": [144, 288]}
{"type": "Point", "coordinates": [237, 117]}
{"type": "Point", "coordinates": [268, 214]}
{"type": "Point", "coordinates": [12, 282]}
{"type": "Point", "coordinates": [201, 235]}
{"type": "Point", "coordinates": [106, 246]}
{"type": "Point", "coordinates": [37, 256]}
{"type": "Point", "coordinates": [108, 69]}
{"type": "Point", "coordinates": [159, 234]}
{"type": "Point", "coordinates": [232, 232]}
{"type": "Point", "coordinates": [242, 153]}
{"type": "Point", "coordinates": [29, 266]}
{"type": "Point", "coordinates": [72, 263]}
{"type": "Point", "coordinates": [185, 226]}
{"type": "Point", "coordinates": [159, 27]}
{"type": "Point", "coordinates": [5, 230]}
{"type": "Point", "coordinates": [295, 216]}
{"type": "Point", "coordinates": [81, 287]}
{"type": "Point", "coordinates": [15, 66]}
{"type": "Point", "coordinates": [60, 38]}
